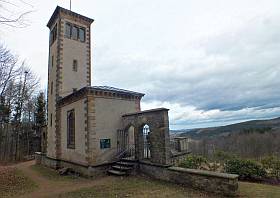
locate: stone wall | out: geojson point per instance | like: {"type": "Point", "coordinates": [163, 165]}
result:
{"type": "Point", "coordinates": [76, 154]}
{"type": "Point", "coordinates": [218, 183]}
{"type": "Point", "coordinates": [108, 115]}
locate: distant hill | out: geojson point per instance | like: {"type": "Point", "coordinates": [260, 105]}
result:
{"type": "Point", "coordinates": [273, 124]}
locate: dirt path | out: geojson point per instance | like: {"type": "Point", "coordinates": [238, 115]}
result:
{"type": "Point", "coordinates": [48, 188]}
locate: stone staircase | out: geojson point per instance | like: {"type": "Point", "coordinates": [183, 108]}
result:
{"type": "Point", "coordinates": [124, 167]}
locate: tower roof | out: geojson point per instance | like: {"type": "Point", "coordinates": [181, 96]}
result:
{"type": "Point", "coordinates": [104, 91]}
{"type": "Point", "coordinates": [116, 90]}
{"type": "Point", "coordinates": [68, 12]}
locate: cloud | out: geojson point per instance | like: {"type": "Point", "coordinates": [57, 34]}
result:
{"type": "Point", "coordinates": [225, 78]}
{"type": "Point", "coordinates": [190, 117]}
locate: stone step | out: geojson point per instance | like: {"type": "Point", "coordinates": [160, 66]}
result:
{"type": "Point", "coordinates": [64, 171]}
{"type": "Point", "coordinates": [121, 168]}
{"type": "Point", "coordinates": [129, 159]}
{"type": "Point", "coordinates": [127, 164]}
{"type": "Point", "coordinates": [116, 172]}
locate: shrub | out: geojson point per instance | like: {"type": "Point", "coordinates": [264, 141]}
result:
{"type": "Point", "coordinates": [193, 161]}
{"type": "Point", "coordinates": [272, 164]}
{"type": "Point", "coordinates": [246, 169]}
{"type": "Point", "coordinates": [223, 156]}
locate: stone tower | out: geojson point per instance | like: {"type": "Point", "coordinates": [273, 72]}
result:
{"type": "Point", "coordinates": [69, 66]}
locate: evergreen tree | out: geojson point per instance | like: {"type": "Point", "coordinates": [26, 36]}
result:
{"type": "Point", "coordinates": [40, 112]}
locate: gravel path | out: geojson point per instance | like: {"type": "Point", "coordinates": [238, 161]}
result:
{"type": "Point", "coordinates": [49, 188]}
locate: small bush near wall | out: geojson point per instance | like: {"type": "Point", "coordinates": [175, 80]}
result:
{"type": "Point", "coordinates": [272, 166]}
{"type": "Point", "coordinates": [246, 169]}
{"type": "Point", "coordinates": [223, 156]}
{"type": "Point", "coordinates": [193, 161]}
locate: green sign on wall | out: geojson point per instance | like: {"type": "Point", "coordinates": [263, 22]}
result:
{"type": "Point", "coordinates": [105, 143]}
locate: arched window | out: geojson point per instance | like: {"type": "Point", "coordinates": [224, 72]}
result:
{"type": "Point", "coordinates": [71, 129]}
{"type": "Point", "coordinates": [147, 141]}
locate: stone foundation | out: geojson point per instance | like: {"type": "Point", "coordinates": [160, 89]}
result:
{"type": "Point", "coordinates": [218, 183]}
{"type": "Point", "coordinates": [86, 171]}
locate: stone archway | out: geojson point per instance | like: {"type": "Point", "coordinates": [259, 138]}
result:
{"type": "Point", "coordinates": [126, 142]}
{"type": "Point", "coordinates": [159, 146]}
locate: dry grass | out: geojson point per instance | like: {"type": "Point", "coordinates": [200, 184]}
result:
{"type": "Point", "coordinates": [13, 182]}
{"type": "Point", "coordinates": [135, 187]}
{"type": "Point", "coordinates": [253, 190]}
{"type": "Point", "coordinates": [52, 174]}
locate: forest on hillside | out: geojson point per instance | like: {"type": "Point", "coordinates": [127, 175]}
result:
{"type": "Point", "coordinates": [252, 143]}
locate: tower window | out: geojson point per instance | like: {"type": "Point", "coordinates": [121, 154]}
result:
{"type": "Point", "coordinates": [51, 87]}
{"type": "Point", "coordinates": [68, 30]}
{"type": "Point", "coordinates": [82, 34]}
{"type": "Point", "coordinates": [75, 65]}
{"type": "Point", "coordinates": [52, 61]}
{"type": "Point", "coordinates": [71, 129]}
{"type": "Point", "coordinates": [75, 32]}
{"type": "Point", "coordinates": [51, 120]}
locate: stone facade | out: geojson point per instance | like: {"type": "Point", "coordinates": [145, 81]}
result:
{"type": "Point", "coordinates": [157, 120]}
{"type": "Point", "coordinates": [61, 77]}
{"type": "Point", "coordinates": [98, 115]}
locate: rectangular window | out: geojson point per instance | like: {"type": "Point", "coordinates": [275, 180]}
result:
{"type": "Point", "coordinates": [75, 65]}
{"type": "Point", "coordinates": [52, 61]}
{"type": "Point", "coordinates": [68, 30]}
{"type": "Point", "coordinates": [51, 120]}
{"type": "Point", "coordinates": [75, 32]}
{"type": "Point", "coordinates": [82, 35]}
{"type": "Point", "coordinates": [105, 143]}
{"type": "Point", "coordinates": [71, 129]}
{"type": "Point", "coordinates": [51, 88]}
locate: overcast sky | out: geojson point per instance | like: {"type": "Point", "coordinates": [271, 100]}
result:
{"type": "Point", "coordinates": [211, 62]}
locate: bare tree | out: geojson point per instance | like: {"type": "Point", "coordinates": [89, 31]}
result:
{"type": "Point", "coordinates": [18, 86]}
{"type": "Point", "coordinates": [13, 13]}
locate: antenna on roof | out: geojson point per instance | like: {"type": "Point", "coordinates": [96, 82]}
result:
{"type": "Point", "coordinates": [70, 5]}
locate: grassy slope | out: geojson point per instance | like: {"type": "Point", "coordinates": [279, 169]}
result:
{"type": "Point", "coordinates": [140, 187]}
{"type": "Point", "coordinates": [13, 182]}
{"type": "Point", "coordinates": [51, 174]}
{"type": "Point", "coordinates": [258, 190]}
{"type": "Point", "coordinates": [135, 187]}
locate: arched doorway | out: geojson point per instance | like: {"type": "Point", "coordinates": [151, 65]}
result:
{"type": "Point", "coordinates": [131, 142]}
{"type": "Point", "coordinates": [126, 142]}
{"type": "Point", "coordinates": [147, 142]}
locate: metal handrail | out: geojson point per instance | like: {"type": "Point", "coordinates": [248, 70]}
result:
{"type": "Point", "coordinates": [128, 152]}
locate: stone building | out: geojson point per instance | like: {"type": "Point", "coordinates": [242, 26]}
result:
{"type": "Point", "coordinates": [87, 125]}
{"type": "Point", "coordinates": [96, 130]}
